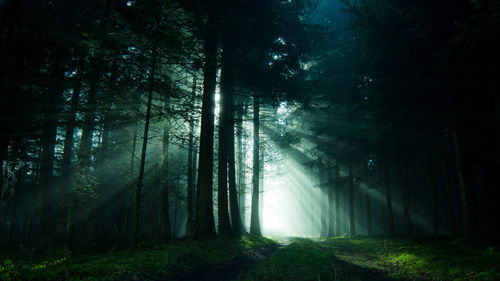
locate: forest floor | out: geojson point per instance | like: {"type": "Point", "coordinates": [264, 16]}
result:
{"type": "Point", "coordinates": [360, 258]}
{"type": "Point", "coordinates": [372, 258]}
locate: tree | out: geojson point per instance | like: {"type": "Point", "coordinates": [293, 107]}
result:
{"type": "Point", "coordinates": [254, 219]}
{"type": "Point", "coordinates": [204, 204]}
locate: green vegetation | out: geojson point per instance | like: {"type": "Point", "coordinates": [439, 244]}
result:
{"type": "Point", "coordinates": [150, 261]}
{"type": "Point", "coordinates": [301, 260]}
{"type": "Point", "coordinates": [362, 258]}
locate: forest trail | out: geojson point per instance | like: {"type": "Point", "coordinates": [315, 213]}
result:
{"type": "Point", "coordinates": [229, 269]}
{"type": "Point", "coordinates": [346, 264]}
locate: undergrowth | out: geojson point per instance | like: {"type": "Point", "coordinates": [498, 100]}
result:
{"type": "Point", "coordinates": [150, 261]}
{"type": "Point", "coordinates": [422, 258]}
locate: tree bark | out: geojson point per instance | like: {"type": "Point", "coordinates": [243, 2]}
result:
{"type": "Point", "coordinates": [142, 163]}
{"type": "Point", "coordinates": [434, 195]}
{"type": "Point", "coordinates": [337, 200]}
{"type": "Point", "coordinates": [388, 199]}
{"type": "Point", "coordinates": [369, 229]}
{"type": "Point", "coordinates": [403, 174]}
{"type": "Point", "coordinates": [233, 196]}
{"type": "Point", "coordinates": [48, 141]}
{"type": "Point", "coordinates": [204, 201]}
{"type": "Point", "coordinates": [224, 226]}
{"type": "Point", "coordinates": [191, 166]}
{"type": "Point", "coordinates": [227, 87]}
{"type": "Point", "coordinates": [66, 169]}
{"type": "Point", "coordinates": [352, 226]}
{"type": "Point", "coordinates": [130, 185]}
{"type": "Point", "coordinates": [241, 167]}
{"type": "Point", "coordinates": [254, 219]}
{"type": "Point", "coordinates": [84, 152]}
{"type": "Point", "coordinates": [164, 186]}
{"type": "Point", "coordinates": [462, 186]}
{"type": "Point", "coordinates": [331, 196]}
{"type": "Point", "coordinates": [322, 200]}
{"type": "Point", "coordinates": [448, 189]}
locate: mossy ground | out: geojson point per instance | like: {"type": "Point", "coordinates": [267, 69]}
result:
{"type": "Point", "coordinates": [363, 258]}
{"type": "Point", "coordinates": [150, 261]}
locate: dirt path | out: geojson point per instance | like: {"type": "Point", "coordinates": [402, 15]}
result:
{"type": "Point", "coordinates": [354, 265]}
{"type": "Point", "coordinates": [347, 265]}
{"type": "Point", "coordinates": [229, 269]}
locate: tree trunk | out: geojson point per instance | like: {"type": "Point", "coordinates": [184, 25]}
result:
{"type": "Point", "coordinates": [241, 167]}
{"type": "Point", "coordinates": [369, 229]}
{"type": "Point", "coordinates": [142, 163]}
{"type": "Point", "coordinates": [222, 200]}
{"type": "Point", "coordinates": [337, 200]}
{"type": "Point", "coordinates": [352, 227]}
{"type": "Point", "coordinates": [434, 194]}
{"type": "Point", "coordinates": [388, 200]}
{"type": "Point", "coordinates": [323, 201]}
{"type": "Point", "coordinates": [130, 185]}
{"type": "Point", "coordinates": [66, 169]}
{"type": "Point", "coordinates": [462, 186]}
{"type": "Point", "coordinates": [254, 217]}
{"type": "Point", "coordinates": [227, 87]}
{"type": "Point", "coordinates": [447, 187]}
{"type": "Point", "coordinates": [191, 166]}
{"type": "Point", "coordinates": [18, 187]}
{"type": "Point", "coordinates": [405, 195]}
{"type": "Point", "coordinates": [204, 201]}
{"type": "Point", "coordinates": [82, 174]}
{"type": "Point", "coordinates": [47, 142]}
{"type": "Point", "coordinates": [331, 194]}
{"type": "Point", "coordinates": [164, 186]}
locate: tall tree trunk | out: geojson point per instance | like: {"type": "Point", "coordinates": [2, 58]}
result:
{"type": "Point", "coordinates": [66, 169]}
{"type": "Point", "coordinates": [104, 204]}
{"type": "Point", "coordinates": [254, 218]}
{"type": "Point", "coordinates": [434, 194]}
{"type": "Point", "coordinates": [164, 186]}
{"type": "Point", "coordinates": [142, 163]}
{"type": "Point", "coordinates": [261, 181]}
{"type": "Point", "coordinates": [331, 196]}
{"type": "Point", "coordinates": [352, 227]}
{"type": "Point", "coordinates": [462, 186]}
{"type": "Point", "coordinates": [241, 167]}
{"type": "Point", "coordinates": [35, 188]}
{"type": "Point", "coordinates": [337, 200]}
{"type": "Point", "coordinates": [388, 199]}
{"type": "Point", "coordinates": [48, 141]}
{"type": "Point", "coordinates": [403, 173]}
{"type": "Point", "coordinates": [323, 201]}
{"type": "Point", "coordinates": [191, 166]}
{"type": "Point", "coordinates": [130, 185]}
{"type": "Point", "coordinates": [8, 49]}
{"type": "Point", "coordinates": [84, 159]}
{"type": "Point", "coordinates": [369, 229]}
{"type": "Point", "coordinates": [233, 196]}
{"type": "Point", "coordinates": [204, 202]}
{"type": "Point", "coordinates": [18, 187]}
{"type": "Point", "coordinates": [222, 200]}
{"type": "Point", "coordinates": [447, 187]}
{"type": "Point", "coordinates": [227, 87]}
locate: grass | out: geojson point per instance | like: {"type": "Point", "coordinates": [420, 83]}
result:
{"type": "Point", "coordinates": [423, 258]}
{"type": "Point", "coordinates": [301, 260]}
{"type": "Point", "coordinates": [151, 260]}
{"type": "Point", "coordinates": [360, 258]}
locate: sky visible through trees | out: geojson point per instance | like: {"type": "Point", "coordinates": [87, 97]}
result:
{"type": "Point", "coordinates": [165, 119]}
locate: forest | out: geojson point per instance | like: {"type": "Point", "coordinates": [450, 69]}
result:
{"type": "Point", "coordinates": [249, 140]}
